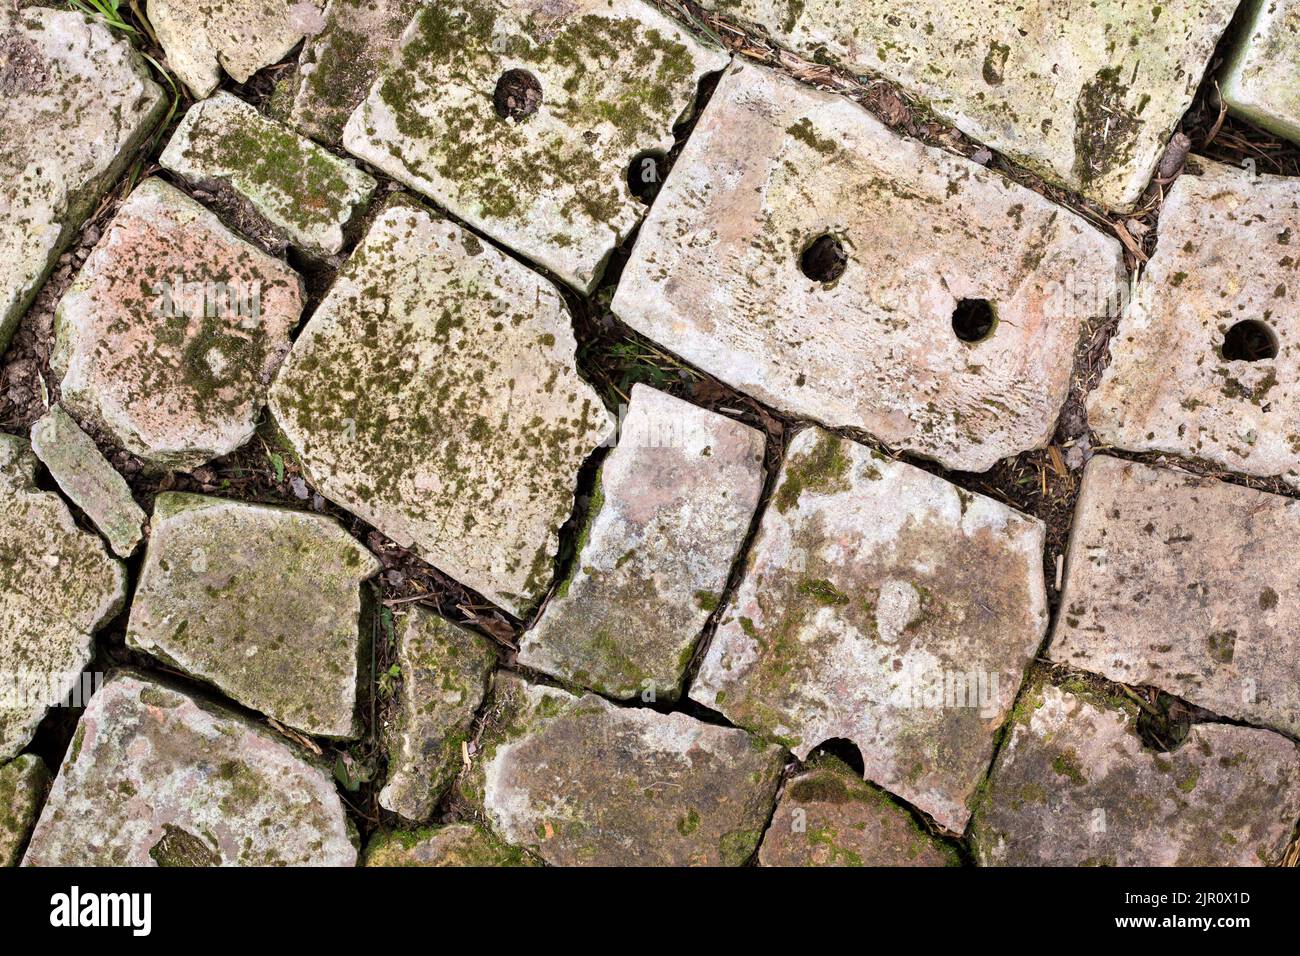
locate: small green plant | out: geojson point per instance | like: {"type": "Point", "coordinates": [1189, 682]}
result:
{"type": "Point", "coordinates": [113, 13]}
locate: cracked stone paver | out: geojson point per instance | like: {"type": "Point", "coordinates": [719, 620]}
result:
{"type": "Point", "coordinates": [1075, 785]}
{"type": "Point", "coordinates": [614, 76]}
{"type": "Point", "coordinates": [434, 394]}
{"type": "Point", "coordinates": [673, 505]}
{"type": "Point", "coordinates": [445, 670]}
{"type": "Point", "coordinates": [1226, 255]}
{"type": "Point", "coordinates": [75, 104]}
{"type": "Point", "coordinates": [90, 482]}
{"type": "Point", "coordinates": [1259, 82]}
{"type": "Point", "coordinates": [773, 165]}
{"type": "Point", "coordinates": [58, 585]}
{"type": "Point", "coordinates": [457, 844]}
{"type": "Point", "coordinates": [828, 816]}
{"type": "Point", "coordinates": [23, 784]}
{"type": "Point", "coordinates": [1185, 583]}
{"type": "Point", "coordinates": [302, 189]}
{"type": "Point", "coordinates": [263, 602]}
{"type": "Point", "coordinates": [885, 606]}
{"type": "Point", "coordinates": [155, 777]}
{"type": "Point", "coordinates": [1085, 93]}
{"type": "Point", "coordinates": [169, 336]}
{"type": "Point", "coordinates": [581, 781]}
{"type": "Point", "coordinates": [204, 38]}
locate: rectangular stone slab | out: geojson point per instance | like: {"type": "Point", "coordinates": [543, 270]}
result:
{"type": "Point", "coordinates": [1188, 584]}
{"type": "Point", "coordinates": [1260, 81]}
{"type": "Point", "coordinates": [717, 275]}
{"type": "Point", "coordinates": [1084, 93]}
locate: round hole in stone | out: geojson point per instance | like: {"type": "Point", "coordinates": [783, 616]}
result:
{"type": "Point", "coordinates": [973, 320]}
{"type": "Point", "coordinates": [842, 749]}
{"type": "Point", "coordinates": [1249, 341]}
{"type": "Point", "coordinates": [517, 96]}
{"type": "Point", "coordinates": [645, 175]}
{"type": "Point", "coordinates": [824, 259]}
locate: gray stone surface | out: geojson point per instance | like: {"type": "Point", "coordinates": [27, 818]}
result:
{"type": "Point", "coordinates": [58, 585]}
{"type": "Point", "coordinates": [1226, 254]}
{"type": "Point", "coordinates": [445, 673]}
{"type": "Point", "coordinates": [86, 477]}
{"type": "Point", "coordinates": [1259, 82]}
{"type": "Point", "coordinates": [265, 603]}
{"type": "Point", "coordinates": [75, 102]}
{"type": "Point", "coordinates": [885, 606]}
{"type": "Point", "coordinates": [580, 781]}
{"type": "Point", "coordinates": [302, 189]}
{"type": "Point", "coordinates": [158, 778]}
{"type": "Point", "coordinates": [457, 844]}
{"type": "Point", "coordinates": [23, 784]}
{"type": "Point", "coordinates": [1075, 786]}
{"type": "Point", "coordinates": [774, 165]}
{"type": "Point", "coordinates": [614, 77]}
{"type": "Point", "coordinates": [168, 337]}
{"type": "Point", "coordinates": [674, 502]}
{"type": "Point", "coordinates": [434, 394]}
{"type": "Point", "coordinates": [1085, 93]}
{"type": "Point", "coordinates": [1185, 583]}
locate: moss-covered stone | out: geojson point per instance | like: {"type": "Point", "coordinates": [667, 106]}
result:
{"type": "Point", "coordinates": [23, 784]}
{"type": "Point", "coordinates": [456, 844]}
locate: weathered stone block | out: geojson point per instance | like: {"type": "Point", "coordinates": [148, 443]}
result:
{"type": "Point", "coordinates": [808, 256]}
{"type": "Point", "coordinates": [1259, 82]}
{"type": "Point", "coordinates": [884, 606]}
{"type": "Point", "coordinates": [23, 784]}
{"type": "Point", "coordinates": [457, 844]}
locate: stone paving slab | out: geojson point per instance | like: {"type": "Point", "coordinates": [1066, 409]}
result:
{"type": "Point", "coordinates": [1084, 93]}
{"type": "Point", "coordinates": [933, 242]}
{"type": "Point", "coordinates": [263, 602]}
{"type": "Point", "coordinates": [458, 844]}
{"type": "Point", "coordinates": [168, 337]}
{"type": "Point", "coordinates": [1259, 81]}
{"type": "Point", "coordinates": [445, 672]}
{"type": "Point", "coordinates": [155, 777]}
{"type": "Point", "coordinates": [302, 189]}
{"type": "Point", "coordinates": [1188, 584]}
{"type": "Point", "coordinates": [337, 65]}
{"type": "Point", "coordinates": [1075, 786]}
{"type": "Point", "coordinates": [23, 785]}
{"type": "Point", "coordinates": [673, 504]}
{"type": "Point", "coordinates": [75, 104]}
{"type": "Point", "coordinates": [1224, 282]}
{"type": "Point", "coordinates": [602, 83]}
{"type": "Point", "coordinates": [828, 816]}
{"type": "Point", "coordinates": [90, 482]}
{"type": "Point", "coordinates": [434, 394]}
{"type": "Point", "coordinates": [580, 781]}
{"type": "Point", "coordinates": [204, 38]}
{"type": "Point", "coordinates": [58, 585]}
{"type": "Point", "coordinates": [884, 606]}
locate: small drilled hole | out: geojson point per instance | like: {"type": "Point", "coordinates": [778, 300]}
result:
{"type": "Point", "coordinates": [973, 320]}
{"type": "Point", "coordinates": [1249, 341]}
{"type": "Point", "coordinates": [517, 96]}
{"type": "Point", "coordinates": [645, 175]}
{"type": "Point", "coordinates": [824, 259]}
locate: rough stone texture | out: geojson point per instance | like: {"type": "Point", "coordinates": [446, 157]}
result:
{"type": "Point", "coordinates": [157, 778]}
{"type": "Point", "coordinates": [1186, 583]}
{"type": "Point", "coordinates": [580, 781]}
{"type": "Point", "coordinates": [75, 103]}
{"type": "Point", "coordinates": [23, 783]}
{"type": "Point", "coordinates": [86, 477]}
{"type": "Point", "coordinates": [433, 394]}
{"type": "Point", "coordinates": [58, 585]}
{"type": "Point", "coordinates": [204, 37]}
{"type": "Point", "coordinates": [827, 816]}
{"type": "Point", "coordinates": [1085, 93]}
{"type": "Point", "coordinates": [772, 165]}
{"type": "Point", "coordinates": [615, 76]}
{"type": "Point", "coordinates": [1075, 785]}
{"type": "Point", "coordinates": [168, 337]}
{"type": "Point", "coordinates": [458, 844]}
{"type": "Point", "coordinates": [263, 602]}
{"type": "Point", "coordinates": [337, 66]}
{"type": "Point", "coordinates": [445, 672]}
{"type": "Point", "coordinates": [1259, 82]}
{"type": "Point", "coordinates": [301, 188]}
{"type": "Point", "coordinates": [884, 606]}
{"type": "Point", "coordinates": [673, 504]}
{"type": "Point", "coordinates": [1226, 253]}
